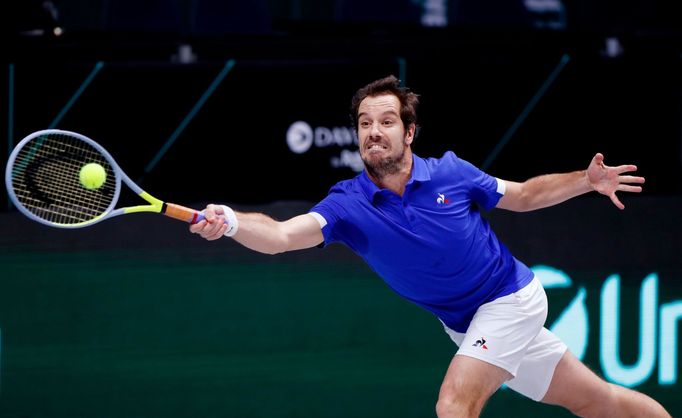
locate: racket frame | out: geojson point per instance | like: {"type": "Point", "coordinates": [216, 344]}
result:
{"type": "Point", "coordinates": [155, 205]}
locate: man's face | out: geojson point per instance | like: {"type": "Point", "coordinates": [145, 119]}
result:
{"type": "Point", "coordinates": [382, 137]}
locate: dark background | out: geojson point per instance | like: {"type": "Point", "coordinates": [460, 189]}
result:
{"type": "Point", "coordinates": [135, 317]}
{"type": "Point", "coordinates": [525, 95]}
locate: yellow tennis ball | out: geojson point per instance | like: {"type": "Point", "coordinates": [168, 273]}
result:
{"type": "Point", "coordinates": [92, 176]}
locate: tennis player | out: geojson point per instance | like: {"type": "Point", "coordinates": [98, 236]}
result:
{"type": "Point", "coordinates": [417, 223]}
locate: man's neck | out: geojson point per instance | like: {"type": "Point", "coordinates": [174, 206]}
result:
{"type": "Point", "coordinates": [395, 182]}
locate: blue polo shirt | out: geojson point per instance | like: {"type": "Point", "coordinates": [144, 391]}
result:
{"type": "Point", "coordinates": [431, 246]}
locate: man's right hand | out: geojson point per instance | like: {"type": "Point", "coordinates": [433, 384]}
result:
{"type": "Point", "coordinates": [213, 226]}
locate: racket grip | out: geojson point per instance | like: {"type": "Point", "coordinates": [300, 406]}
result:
{"type": "Point", "coordinates": [200, 217]}
{"type": "Point", "coordinates": [182, 213]}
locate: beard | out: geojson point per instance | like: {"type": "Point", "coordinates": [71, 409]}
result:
{"type": "Point", "coordinates": [380, 168]}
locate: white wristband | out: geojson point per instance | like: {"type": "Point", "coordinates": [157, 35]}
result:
{"type": "Point", "coordinates": [232, 221]}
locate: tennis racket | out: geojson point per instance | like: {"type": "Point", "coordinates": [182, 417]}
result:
{"type": "Point", "coordinates": [43, 181]}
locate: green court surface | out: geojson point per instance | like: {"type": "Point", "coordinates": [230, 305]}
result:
{"type": "Point", "coordinates": [154, 333]}
{"type": "Point", "coordinates": [135, 317]}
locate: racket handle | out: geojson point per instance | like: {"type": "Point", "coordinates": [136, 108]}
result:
{"type": "Point", "coordinates": [182, 213]}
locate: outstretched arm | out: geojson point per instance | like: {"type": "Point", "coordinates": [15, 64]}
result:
{"type": "Point", "coordinates": [260, 232]}
{"type": "Point", "coordinates": [551, 189]}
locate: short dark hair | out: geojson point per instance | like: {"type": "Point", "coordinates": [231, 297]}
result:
{"type": "Point", "coordinates": [387, 85]}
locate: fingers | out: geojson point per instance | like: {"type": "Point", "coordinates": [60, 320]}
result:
{"type": "Point", "coordinates": [630, 189]}
{"type": "Point", "coordinates": [213, 226]}
{"type": "Point", "coordinates": [212, 212]}
{"type": "Point", "coordinates": [210, 231]}
{"type": "Point", "coordinates": [623, 187]}
{"type": "Point", "coordinates": [609, 180]}
{"type": "Point", "coordinates": [207, 230]}
{"type": "Point", "coordinates": [625, 168]}
{"type": "Point", "coordinates": [597, 162]}
{"type": "Point", "coordinates": [617, 201]}
{"type": "Point", "coordinates": [632, 179]}
{"type": "Point", "coordinates": [197, 227]}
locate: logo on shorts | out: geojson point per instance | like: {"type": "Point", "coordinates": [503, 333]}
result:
{"type": "Point", "coordinates": [442, 200]}
{"type": "Point", "coordinates": [480, 343]}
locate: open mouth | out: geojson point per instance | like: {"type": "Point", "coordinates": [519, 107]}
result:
{"type": "Point", "coordinates": [376, 148]}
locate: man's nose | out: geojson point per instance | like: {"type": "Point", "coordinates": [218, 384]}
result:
{"type": "Point", "coordinates": [375, 129]}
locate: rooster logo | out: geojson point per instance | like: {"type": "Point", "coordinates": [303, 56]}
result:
{"type": "Point", "coordinates": [442, 200]}
{"type": "Point", "coordinates": [480, 343]}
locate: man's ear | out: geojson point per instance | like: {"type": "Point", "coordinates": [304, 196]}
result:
{"type": "Point", "coordinates": [411, 133]}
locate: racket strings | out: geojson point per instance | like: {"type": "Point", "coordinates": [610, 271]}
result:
{"type": "Point", "coordinates": [46, 180]}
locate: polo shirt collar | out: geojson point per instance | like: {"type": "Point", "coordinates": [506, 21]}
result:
{"type": "Point", "coordinates": [420, 173]}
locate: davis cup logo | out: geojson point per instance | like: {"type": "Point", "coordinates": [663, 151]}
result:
{"type": "Point", "coordinates": [300, 137]}
{"type": "Point", "coordinates": [657, 328]}
{"type": "Point", "coordinates": [572, 325]}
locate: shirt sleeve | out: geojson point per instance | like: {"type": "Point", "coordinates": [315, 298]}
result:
{"type": "Point", "coordinates": [484, 189]}
{"type": "Point", "coordinates": [328, 212]}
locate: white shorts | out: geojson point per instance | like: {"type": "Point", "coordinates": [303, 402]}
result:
{"type": "Point", "coordinates": [508, 333]}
